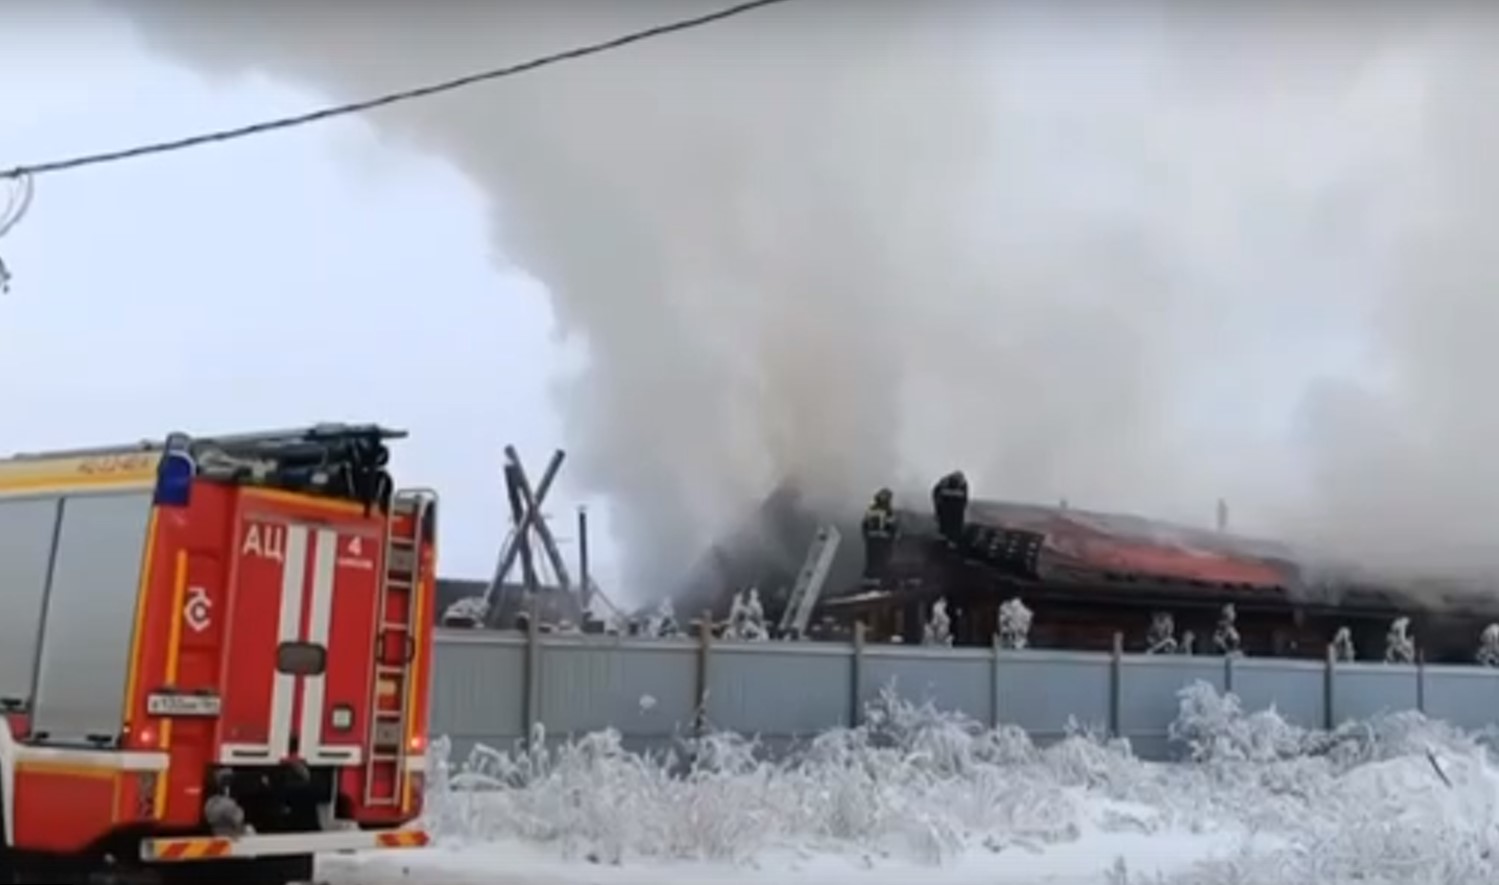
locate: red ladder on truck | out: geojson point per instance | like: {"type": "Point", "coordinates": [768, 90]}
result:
{"type": "Point", "coordinates": [395, 647]}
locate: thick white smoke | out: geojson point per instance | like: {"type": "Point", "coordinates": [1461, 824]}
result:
{"type": "Point", "coordinates": [1138, 258]}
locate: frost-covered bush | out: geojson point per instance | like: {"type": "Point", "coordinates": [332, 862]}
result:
{"type": "Point", "coordinates": [1342, 645]}
{"type": "Point", "coordinates": [1014, 624]}
{"type": "Point", "coordinates": [469, 611]}
{"type": "Point", "coordinates": [747, 618]}
{"type": "Point", "coordinates": [1394, 799]}
{"type": "Point", "coordinates": [1226, 638]}
{"type": "Point", "coordinates": [1160, 639]}
{"type": "Point", "coordinates": [1488, 646]}
{"type": "Point", "coordinates": [662, 622]}
{"type": "Point", "coordinates": [1399, 647]}
{"type": "Point", "coordinates": [938, 628]}
{"type": "Point", "coordinates": [1213, 727]}
{"type": "Point", "coordinates": [911, 779]}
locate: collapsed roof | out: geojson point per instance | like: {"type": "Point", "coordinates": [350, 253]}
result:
{"type": "Point", "coordinates": [1102, 551]}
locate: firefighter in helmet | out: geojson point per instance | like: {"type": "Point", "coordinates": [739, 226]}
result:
{"type": "Point", "coordinates": [880, 529]}
{"type": "Point", "coordinates": [950, 504]}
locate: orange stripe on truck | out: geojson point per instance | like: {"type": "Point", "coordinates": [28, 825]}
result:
{"type": "Point", "coordinates": [403, 839]}
{"type": "Point", "coordinates": [174, 656]}
{"type": "Point", "coordinates": [138, 626]}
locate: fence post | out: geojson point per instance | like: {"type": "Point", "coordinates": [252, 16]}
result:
{"type": "Point", "coordinates": [700, 686]}
{"type": "Point", "coordinates": [856, 678]}
{"type": "Point", "coordinates": [1228, 674]}
{"type": "Point", "coordinates": [994, 683]}
{"type": "Point", "coordinates": [1116, 683]}
{"type": "Point", "coordinates": [1329, 686]}
{"type": "Point", "coordinates": [531, 692]}
{"type": "Point", "coordinates": [1421, 681]}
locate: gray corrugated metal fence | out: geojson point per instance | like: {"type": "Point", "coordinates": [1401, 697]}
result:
{"type": "Point", "coordinates": [490, 687]}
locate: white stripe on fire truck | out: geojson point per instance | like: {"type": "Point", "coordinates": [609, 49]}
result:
{"type": "Point", "coordinates": [314, 686]}
{"type": "Point", "coordinates": [284, 688]}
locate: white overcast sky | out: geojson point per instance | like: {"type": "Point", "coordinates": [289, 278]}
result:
{"type": "Point", "coordinates": [289, 279]}
{"type": "Point", "coordinates": [322, 274]}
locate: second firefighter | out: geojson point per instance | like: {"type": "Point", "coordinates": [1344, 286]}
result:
{"type": "Point", "coordinates": [880, 529]}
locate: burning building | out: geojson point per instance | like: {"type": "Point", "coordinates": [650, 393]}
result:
{"type": "Point", "coordinates": [1085, 576]}
{"type": "Point", "coordinates": [1082, 576]}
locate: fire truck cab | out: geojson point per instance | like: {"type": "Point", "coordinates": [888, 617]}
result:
{"type": "Point", "coordinates": [214, 656]}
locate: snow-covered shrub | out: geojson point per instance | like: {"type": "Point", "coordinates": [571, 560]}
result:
{"type": "Point", "coordinates": [1342, 645]}
{"type": "Point", "coordinates": [469, 611]}
{"type": "Point", "coordinates": [938, 629]}
{"type": "Point", "coordinates": [1399, 647]}
{"type": "Point", "coordinates": [1014, 624]}
{"type": "Point", "coordinates": [1226, 638]}
{"type": "Point", "coordinates": [1488, 646]}
{"type": "Point", "coordinates": [1213, 727]}
{"type": "Point", "coordinates": [1160, 639]}
{"type": "Point", "coordinates": [911, 776]}
{"type": "Point", "coordinates": [662, 622]}
{"type": "Point", "coordinates": [1188, 644]}
{"type": "Point", "coordinates": [747, 618]}
{"type": "Point", "coordinates": [1396, 799]}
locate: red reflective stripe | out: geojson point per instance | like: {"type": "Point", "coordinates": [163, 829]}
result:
{"type": "Point", "coordinates": [192, 849]}
{"type": "Point", "coordinates": [171, 850]}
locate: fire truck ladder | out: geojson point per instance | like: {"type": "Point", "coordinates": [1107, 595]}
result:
{"type": "Point", "coordinates": [395, 646]}
{"type": "Point", "coordinates": [808, 587]}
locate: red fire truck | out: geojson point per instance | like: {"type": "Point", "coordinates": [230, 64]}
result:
{"type": "Point", "coordinates": [213, 656]}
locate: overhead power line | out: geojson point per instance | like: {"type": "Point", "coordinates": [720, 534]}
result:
{"type": "Point", "coordinates": [357, 107]}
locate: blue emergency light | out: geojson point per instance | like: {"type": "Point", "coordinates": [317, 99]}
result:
{"type": "Point", "coordinates": [175, 472]}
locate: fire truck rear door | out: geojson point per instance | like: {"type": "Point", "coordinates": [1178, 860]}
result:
{"type": "Point", "coordinates": [264, 655]}
{"type": "Point", "coordinates": [333, 713]}
{"type": "Point", "coordinates": [301, 656]}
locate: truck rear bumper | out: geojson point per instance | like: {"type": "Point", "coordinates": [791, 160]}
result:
{"type": "Point", "coordinates": [203, 848]}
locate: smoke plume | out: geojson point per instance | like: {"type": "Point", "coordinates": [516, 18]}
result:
{"type": "Point", "coordinates": [1137, 257]}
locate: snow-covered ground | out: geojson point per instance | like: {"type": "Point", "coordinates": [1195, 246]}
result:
{"type": "Point", "coordinates": [918, 795]}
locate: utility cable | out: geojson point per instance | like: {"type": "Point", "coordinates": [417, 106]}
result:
{"type": "Point", "coordinates": [327, 113]}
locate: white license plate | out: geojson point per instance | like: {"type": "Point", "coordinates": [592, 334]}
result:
{"type": "Point", "coordinates": [162, 704]}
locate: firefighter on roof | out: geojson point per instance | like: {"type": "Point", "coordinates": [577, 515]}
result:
{"type": "Point", "coordinates": [950, 503]}
{"type": "Point", "coordinates": [880, 530]}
